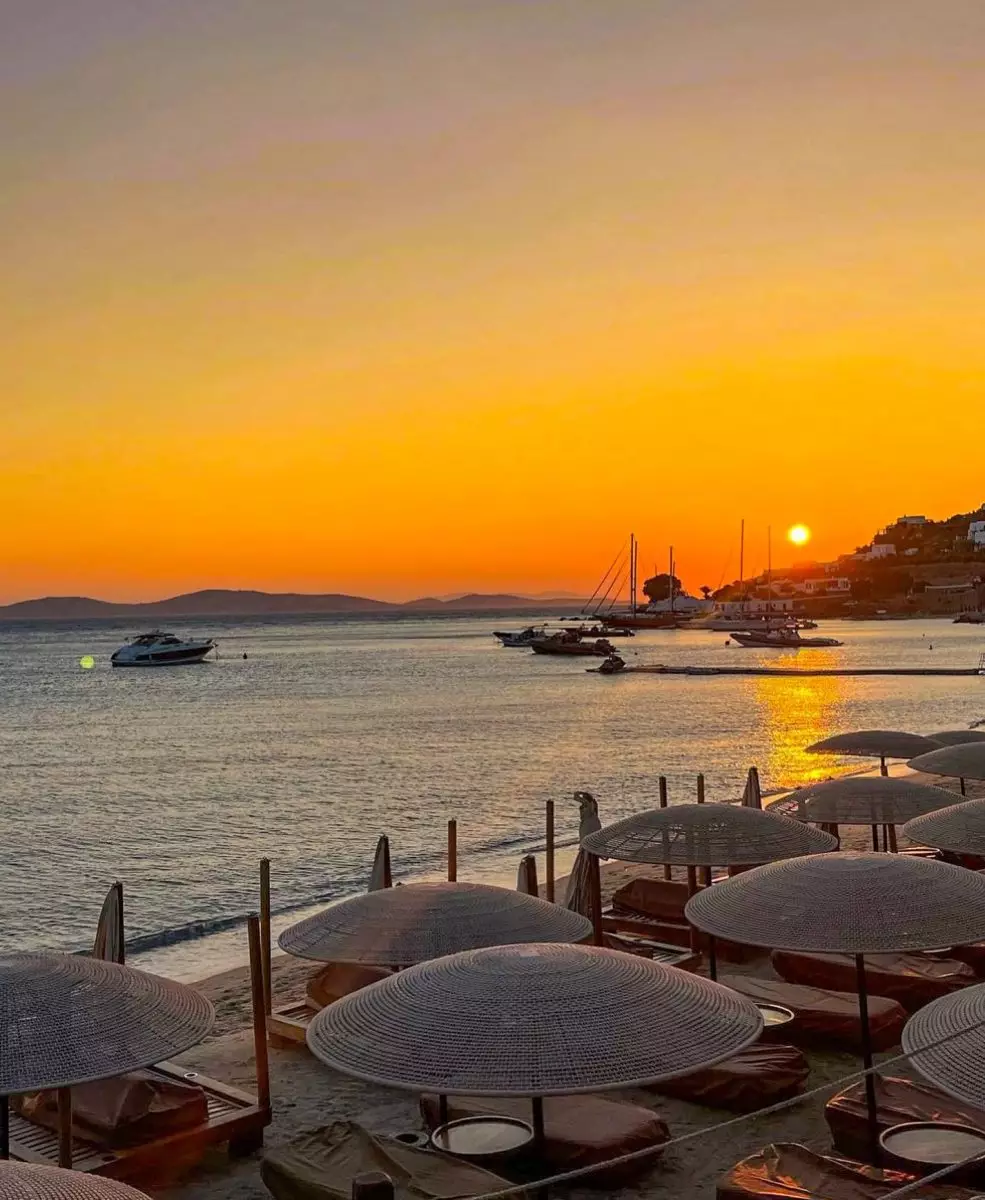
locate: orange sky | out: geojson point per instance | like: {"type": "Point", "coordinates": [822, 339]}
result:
{"type": "Point", "coordinates": [399, 297]}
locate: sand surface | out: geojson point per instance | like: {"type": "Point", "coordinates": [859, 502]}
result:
{"type": "Point", "coordinates": [307, 1095]}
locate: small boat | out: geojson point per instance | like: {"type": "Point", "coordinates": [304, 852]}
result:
{"type": "Point", "coordinates": [569, 643]}
{"type": "Point", "coordinates": [157, 649]}
{"type": "Point", "coordinates": [602, 631]}
{"type": "Point", "coordinates": [523, 638]}
{"type": "Point", "coordinates": [970, 618]}
{"type": "Point", "coordinates": [612, 665]}
{"type": "Point", "coordinates": [781, 639]}
{"type": "Point", "coordinates": [645, 620]}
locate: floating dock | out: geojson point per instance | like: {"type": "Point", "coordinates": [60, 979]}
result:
{"type": "Point", "coordinates": [793, 672]}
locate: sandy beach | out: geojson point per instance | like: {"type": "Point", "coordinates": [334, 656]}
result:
{"type": "Point", "coordinates": [306, 1095]}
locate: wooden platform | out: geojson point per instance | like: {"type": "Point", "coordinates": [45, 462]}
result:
{"type": "Point", "coordinates": [290, 1023]}
{"type": "Point", "coordinates": [793, 672]}
{"type": "Point", "coordinates": [234, 1117]}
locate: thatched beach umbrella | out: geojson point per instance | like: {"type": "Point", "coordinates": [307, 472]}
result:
{"type": "Point", "coordinates": [874, 743]}
{"type": "Point", "coordinates": [400, 926]}
{"type": "Point", "coordinates": [847, 903]}
{"type": "Point", "coordinates": [958, 737]}
{"type": "Point", "coordinates": [535, 1020]}
{"type": "Point", "coordinates": [960, 828]}
{"type": "Point", "coordinates": [31, 1181]}
{"type": "Point", "coordinates": [964, 761]}
{"type": "Point", "coordinates": [66, 1020]}
{"type": "Point", "coordinates": [706, 835]}
{"type": "Point", "coordinates": [946, 1044]}
{"type": "Point", "coordinates": [865, 800]}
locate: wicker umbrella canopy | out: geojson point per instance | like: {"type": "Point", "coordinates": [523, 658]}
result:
{"type": "Point", "coordinates": [29, 1181]}
{"type": "Point", "coordinates": [874, 743]}
{"type": "Point", "coordinates": [65, 1020]}
{"type": "Point", "coordinates": [398, 927]}
{"type": "Point", "coordinates": [706, 835]}
{"type": "Point", "coordinates": [958, 737]}
{"type": "Point", "coordinates": [847, 902]}
{"type": "Point", "coordinates": [946, 1044]}
{"type": "Point", "coordinates": [961, 828]}
{"type": "Point", "coordinates": [534, 1020]}
{"type": "Point", "coordinates": [865, 800]}
{"type": "Point", "coordinates": [965, 761]}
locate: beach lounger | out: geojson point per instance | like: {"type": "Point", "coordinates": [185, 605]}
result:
{"type": "Point", "coordinates": [578, 1130]}
{"type": "Point", "coordinates": [661, 952]}
{"type": "Point", "coordinates": [321, 1165]}
{"type": "Point", "coordinates": [152, 1124]}
{"type": "Point", "coordinates": [823, 1016]}
{"type": "Point", "coordinates": [289, 1023]}
{"type": "Point", "coordinates": [912, 979]}
{"type": "Point", "coordinates": [897, 1101]}
{"type": "Point", "coordinates": [786, 1171]}
{"type": "Point", "coordinates": [673, 933]}
{"type": "Point", "coordinates": [756, 1077]}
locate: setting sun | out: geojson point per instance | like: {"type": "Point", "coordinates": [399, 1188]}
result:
{"type": "Point", "coordinates": [800, 535]}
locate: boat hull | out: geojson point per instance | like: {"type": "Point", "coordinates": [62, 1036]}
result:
{"type": "Point", "coordinates": [571, 649]}
{"type": "Point", "coordinates": [759, 642]}
{"type": "Point", "coordinates": [186, 656]}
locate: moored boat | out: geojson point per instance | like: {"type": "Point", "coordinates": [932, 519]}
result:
{"type": "Point", "coordinates": [157, 649]}
{"type": "Point", "coordinates": [564, 643]}
{"type": "Point", "coordinates": [781, 639]}
{"type": "Point", "coordinates": [523, 638]}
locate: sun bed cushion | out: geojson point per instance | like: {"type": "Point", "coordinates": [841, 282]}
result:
{"type": "Point", "coordinates": [912, 979]}
{"type": "Point", "coordinates": [824, 1016]}
{"type": "Point", "coordinates": [660, 898]}
{"type": "Point", "coordinates": [755, 1077]}
{"type": "Point", "coordinates": [336, 979]}
{"type": "Point", "coordinates": [128, 1110]}
{"type": "Point", "coordinates": [578, 1130]}
{"type": "Point", "coordinates": [322, 1164]}
{"type": "Point", "coordinates": [897, 1101]}
{"type": "Point", "coordinates": [786, 1171]}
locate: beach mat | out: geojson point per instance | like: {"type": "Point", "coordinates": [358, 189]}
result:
{"type": "Point", "coordinates": [912, 979]}
{"type": "Point", "coordinates": [824, 1016]}
{"type": "Point", "coordinates": [125, 1111]}
{"type": "Point", "coordinates": [579, 1131]}
{"type": "Point", "coordinates": [758, 1076]}
{"type": "Point", "coordinates": [786, 1171]}
{"type": "Point", "coordinates": [322, 1164]}
{"type": "Point", "coordinates": [897, 1101]}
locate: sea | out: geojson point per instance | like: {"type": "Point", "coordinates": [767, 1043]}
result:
{"type": "Point", "coordinates": [309, 738]}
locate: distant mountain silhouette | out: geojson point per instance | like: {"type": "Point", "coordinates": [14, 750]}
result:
{"type": "Point", "coordinates": [218, 602]}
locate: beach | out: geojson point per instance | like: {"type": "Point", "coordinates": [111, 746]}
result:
{"type": "Point", "coordinates": [307, 1095]}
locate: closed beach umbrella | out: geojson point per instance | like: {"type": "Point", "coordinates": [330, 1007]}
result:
{"type": "Point", "coordinates": [752, 795]}
{"type": "Point", "coordinates": [847, 903]}
{"type": "Point", "coordinates": [397, 927]}
{"type": "Point", "coordinates": [526, 876]}
{"type": "Point", "coordinates": [874, 743]}
{"type": "Point", "coordinates": [958, 737]}
{"type": "Point", "coordinates": [964, 761]}
{"type": "Point", "coordinates": [706, 835]}
{"type": "Point", "coordinates": [865, 800]}
{"type": "Point", "coordinates": [946, 1044]}
{"type": "Point", "coordinates": [960, 827]}
{"type": "Point", "coordinates": [381, 875]}
{"type": "Point", "coordinates": [109, 943]}
{"type": "Point", "coordinates": [535, 1020]}
{"type": "Point", "coordinates": [30, 1181]}
{"type": "Point", "coordinates": [66, 1019]}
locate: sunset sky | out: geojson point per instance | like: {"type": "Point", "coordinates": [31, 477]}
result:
{"type": "Point", "coordinates": [401, 297]}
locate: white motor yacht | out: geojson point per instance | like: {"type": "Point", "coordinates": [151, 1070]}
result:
{"type": "Point", "coordinates": [157, 649]}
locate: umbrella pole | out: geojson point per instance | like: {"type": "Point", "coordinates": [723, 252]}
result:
{"type": "Point", "coordinates": [712, 959]}
{"type": "Point", "coordinates": [595, 883]}
{"type": "Point", "coordinates": [662, 782]}
{"type": "Point", "coordinates": [549, 852]}
{"type": "Point", "coordinates": [692, 890]}
{"type": "Point", "coordinates": [452, 850]}
{"type": "Point", "coordinates": [4, 1128]}
{"type": "Point", "coordinates": [883, 769]}
{"type": "Point", "coordinates": [65, 1128]}
{"type": "Point", "coordinates": [961, 781]}
{"type": "Point", "coordinates": [259, 1014]}
{"type": "Point", "coordinates": [870, 1082]}
{"type": "Point", "coordinates": [875, 837]}
{"type": "Point", "coordinates": [537, 1113]}
{"type": "Point", "coordinates": [893, 845]}
{"type": "Point", "coordinates": [265, 965]}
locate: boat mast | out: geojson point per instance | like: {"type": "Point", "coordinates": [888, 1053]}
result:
{"type": "Point", "coordinates": [632, 573]}
{"type": "Point", "coordinates": [742, 557]}
{"type": "Point", "coordinates": [769, 569]}
{"type": "Point", "coordinates": [671, 580]}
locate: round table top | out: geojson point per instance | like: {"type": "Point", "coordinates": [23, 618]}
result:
{"type": "Point", "coordinates": [482, 1137]}
{"type": "Point", "coordinates": [932, 1143]}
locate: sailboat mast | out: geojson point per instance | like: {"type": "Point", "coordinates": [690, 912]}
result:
{"type": "Point", "coordinates": [671, 580]}
{"type": "Point", "coordinates": [632, 573]}
{"type": "Point", "coordinates": [742, 563]}
{"type": "Point", "coordinates": [769, 568]}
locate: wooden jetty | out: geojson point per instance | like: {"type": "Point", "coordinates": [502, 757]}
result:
{"type": "Point", "coordinates": [793, 672]}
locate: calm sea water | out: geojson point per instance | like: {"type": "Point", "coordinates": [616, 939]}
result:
{"type": "Point", "coordinates": [333, 731]}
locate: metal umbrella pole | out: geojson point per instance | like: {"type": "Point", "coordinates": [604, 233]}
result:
{"type": "Point", "coordinates": [870, 1081]}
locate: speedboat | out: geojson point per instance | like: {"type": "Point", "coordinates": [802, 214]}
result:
{"type": "Point", "coordinates": [157, 649]}
{"type": "Point", "coordinates": [782, 639]}
{"type": "Point", "coordinates": [523, 638]}
{"type": "Point", "coordinates": [570, 643]}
